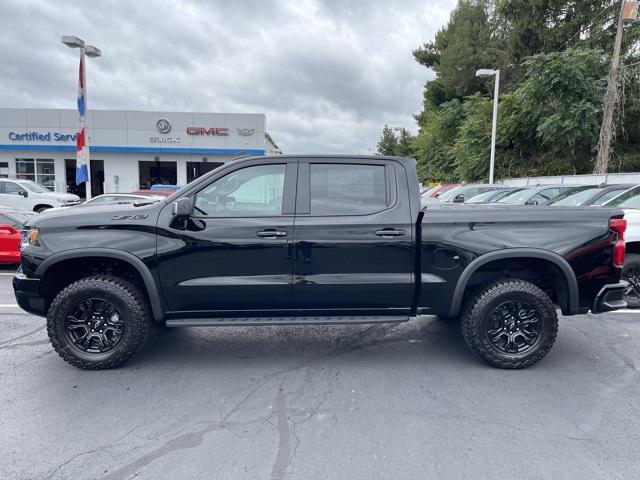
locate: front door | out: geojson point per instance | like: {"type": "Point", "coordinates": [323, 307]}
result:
{"type": "Point", "coordinates": [13, 195]}
{"type": "Point", "coordinates": [353, 238]}
{"type": "Point", "coordinates": [234, 253]}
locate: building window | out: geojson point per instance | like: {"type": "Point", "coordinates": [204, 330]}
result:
{"type": "Point", "coordinates": [157, 173]}
{"type": "Point", "coordinates": [4, 169]}
{"type": "Point", "coordinates": [40, 170]}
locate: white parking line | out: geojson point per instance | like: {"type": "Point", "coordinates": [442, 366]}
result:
{"type": "Point", "coordinates": [625, 311]}
{"type": "Point", "coordinates": [7, 274]}
{"type": "Point", "coordinates": [9, 305]}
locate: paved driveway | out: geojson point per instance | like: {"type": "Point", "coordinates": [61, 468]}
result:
{"type": "Point", "coordinates": [406, 401]}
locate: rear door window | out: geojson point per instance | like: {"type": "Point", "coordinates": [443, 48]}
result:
{"type": "Point", "coordinates": [347, 189]}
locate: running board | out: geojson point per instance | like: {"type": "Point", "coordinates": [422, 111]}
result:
{"type": "Point", "coordinates": [256, 321]}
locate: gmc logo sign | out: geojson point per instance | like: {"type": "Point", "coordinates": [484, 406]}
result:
{"type": "Point", "coordinates": [207, 131]}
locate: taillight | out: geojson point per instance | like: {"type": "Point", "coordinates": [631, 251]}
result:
{"type": "Point", "coordinates": [618, 225]}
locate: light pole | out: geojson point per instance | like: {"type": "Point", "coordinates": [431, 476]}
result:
{"type": "Point", "coordinates": [484, 73]}
{"type": "Point", "coordinates": [83, 163]}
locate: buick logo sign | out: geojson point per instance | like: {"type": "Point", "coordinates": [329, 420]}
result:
{"type": "Point", "coordinates": [246, 132]}
{"type": "Point", "coordinates": [163, 126]}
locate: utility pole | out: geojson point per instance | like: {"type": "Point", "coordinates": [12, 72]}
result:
{"type": "Point", "coordinates": [610, 101]}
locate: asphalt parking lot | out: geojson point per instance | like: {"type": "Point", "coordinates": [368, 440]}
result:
{"type": "Point", "coordinates": [407, 402]}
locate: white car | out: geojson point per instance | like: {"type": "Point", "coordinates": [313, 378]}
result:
{"type": "Point", "coordinates": [28, 195]}
{"type": "Point", "coordinates": [629, 201]}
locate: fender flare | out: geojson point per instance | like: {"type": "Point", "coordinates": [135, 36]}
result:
{"type": "Point", "coordinates": [146, 275]}
{"type": "Point", "coordinates": [557, 260]}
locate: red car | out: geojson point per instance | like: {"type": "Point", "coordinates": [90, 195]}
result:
{"type": "Point", "coordinates": [439, 190]}
{"type": "Point", "coordinates": [10, 239]}
{"type": "Point", "coordinates": [159, 193]}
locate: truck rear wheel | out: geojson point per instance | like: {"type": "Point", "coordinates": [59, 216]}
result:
{"type": "Point", "coordinates": [98, 322]}
{"type": "Point", "coordinates": [631, 273]}
{"type": "Point", "coordinates": [510, 324]}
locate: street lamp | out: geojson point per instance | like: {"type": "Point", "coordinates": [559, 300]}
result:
{"type": "Point", "coordinates": [83, 152]}
{"type": "Point", "coordinates": [484, 73]}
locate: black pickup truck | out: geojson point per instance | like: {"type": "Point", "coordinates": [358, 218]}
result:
{"type": "Point", "coordinates": [310, 240]}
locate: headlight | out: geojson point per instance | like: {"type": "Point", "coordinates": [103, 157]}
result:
{"type": "Point", "coordinates": [29, 237]}
{"type": "Point", "coordinates": [62, 200]}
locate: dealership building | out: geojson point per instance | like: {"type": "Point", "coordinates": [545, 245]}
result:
{"type": "Point", "coordinates": [130, 150]}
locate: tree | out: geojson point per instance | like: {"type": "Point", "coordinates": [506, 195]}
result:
{"type": "Point", "coordinates": [459, 49]}
{"type": "Point", "coordinates": [388, 142]}
{"type": "Point", "coordinates": [405, 144]}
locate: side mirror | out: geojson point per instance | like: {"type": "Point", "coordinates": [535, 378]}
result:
{"type": "Point", "coordinates": [183, 207]}
{"type": "Point", "coordinates": [8, 229]}
{"type": "Point", "coordinates": [23, 193]}
{"type": "Point", "coordinates": [458, 199]}
{"type": "Point", "coordinates": [531, 202]}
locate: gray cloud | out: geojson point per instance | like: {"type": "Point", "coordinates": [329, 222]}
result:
{"type": "Point", "coordinates": [328, 74]}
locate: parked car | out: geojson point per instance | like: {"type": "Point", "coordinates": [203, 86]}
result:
{"type": "Point", "coordinates": [10, 240]}
{"type": "Point", "coordinates": [588, 195]}
{"type": "Point", "coordinates": [533, 195]}
{"type": "Point", "coordinates": [160, 193]}
{"type": "Point", "coordinates": [288, 240]}
{"type": "Point", "coordinates": [630, 202]}
{"type": "Point", "coordinates": [28, 195]}
{"type": "Point", "coordinates": [464, 192]}
{"type": "Point", "coordinates": [441, 189]}
{"type": "Point", "coordinates": [490, 196]}
{"type": "Point", "coordinates": [121, 199]}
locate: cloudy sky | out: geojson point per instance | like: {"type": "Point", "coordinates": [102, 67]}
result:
{"type": "Point", "coordinates": [327, 73]}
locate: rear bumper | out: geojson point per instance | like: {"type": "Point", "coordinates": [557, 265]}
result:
{"type": "Point", "coordinates": [610, 297]}
{"type": "Point", "coordinates": [27, 291]}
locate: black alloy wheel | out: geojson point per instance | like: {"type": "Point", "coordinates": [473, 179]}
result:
{"type": "Point", "coordinates": [514, 327]}
{"type": "Point", "coordinates": [94, 325]}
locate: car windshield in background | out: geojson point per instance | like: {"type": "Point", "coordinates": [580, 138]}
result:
{"type": "Point", "coordinates": [517, 196]}
{"type": "Point", "coordinates": [34, 187]}
{"type": "Point", "coordinates": [449, 194]}
{"type": "Point", "coordinates": [628, 199]}
{"type": "Point", "coordinates": [489, 194]}
{"type": "Point", "coordinates": [609, 195]}
{"type": "Point", "coordinates": [573, 197]}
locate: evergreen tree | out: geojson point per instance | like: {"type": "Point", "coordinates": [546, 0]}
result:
{"type": "Point", "coordinates": [388, 142]}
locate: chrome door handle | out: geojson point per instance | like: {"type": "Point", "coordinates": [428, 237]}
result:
{"type": "Point", "coordinates": [271, 234]}
{"type": "Point", "coordinates": [390, 232]}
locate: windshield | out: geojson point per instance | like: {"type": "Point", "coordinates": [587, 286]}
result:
{"type": "Point", "coordinates": [449, 194]}
{"type": "Point", "coordinates": [33, 186]}
{"type": "Point", "coordinates": [628, 199]}
{"type": "Point", "coordinates": [485, 196]}
{"type": "Point", "coordinates": [573, 197]}
{"type": "Point", "coordinates": [519, 195]}
{"type": "Point", "coordinates": [605, 197]}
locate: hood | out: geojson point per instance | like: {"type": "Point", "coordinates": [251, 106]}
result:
{"type": "Point", "coordinates": [59, 196]}
{"type": "Point", "coordinates": [97, 216]}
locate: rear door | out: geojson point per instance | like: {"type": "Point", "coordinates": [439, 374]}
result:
{"type": "Point", "coordinates": [353, 237]}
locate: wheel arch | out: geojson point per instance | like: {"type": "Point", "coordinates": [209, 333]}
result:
{"type": "Point", "coordinates": [633, 247]}
{"type": "Point", "coordinates": [568, 301]}
{"type": "Point", "coordinates": [41, 205]}
{"type": "Point", "coordinates": [148, 281]}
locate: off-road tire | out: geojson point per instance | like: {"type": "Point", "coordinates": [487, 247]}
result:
{"type": "Point", "coordinates": [631, 265]}
{"type": "Point", "coordinates": [131, 304]}
{"type": "Point", "coordinates": [475, 322]}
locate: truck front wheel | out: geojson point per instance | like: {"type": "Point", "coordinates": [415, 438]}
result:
{"type": "Point", "coordinates": [98, 322]}
{"type": "Point", "coordinates": [510, 324]}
